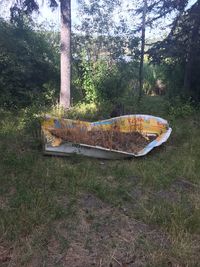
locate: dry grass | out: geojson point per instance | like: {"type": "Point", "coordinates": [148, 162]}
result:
{"type": "Point", "coordinates": [132, 142]}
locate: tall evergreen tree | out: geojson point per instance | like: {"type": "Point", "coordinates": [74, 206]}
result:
{"type": "Point", "coordinates": [150, 12]}
{"type": "Point", "coordinates": [182, 48]}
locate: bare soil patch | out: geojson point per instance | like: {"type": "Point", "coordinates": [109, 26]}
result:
{"type": "Point", "coordinates": [5, 254]}
{"type": "Point", "coordinates": [105, 236]}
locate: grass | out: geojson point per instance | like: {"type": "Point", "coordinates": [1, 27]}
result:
{"type": "Point", "coordinates": [78, 211]}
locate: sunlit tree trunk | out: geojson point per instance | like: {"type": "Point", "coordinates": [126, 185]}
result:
{"type": "Point", "coordinates": [65, 53]}
{"type": "Point", "coordinates": [141, 72]}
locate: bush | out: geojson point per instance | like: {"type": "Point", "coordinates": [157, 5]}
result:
{"type": "Point", "coordinates": [180, 108]}
{"type": "Point", "coordinates": [28, 66]}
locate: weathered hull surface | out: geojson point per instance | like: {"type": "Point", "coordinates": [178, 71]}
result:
{"type": "Point", "coordinates": [146, 124]}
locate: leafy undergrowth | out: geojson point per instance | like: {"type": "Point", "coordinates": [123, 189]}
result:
{"type": "Point", "coordinates": [83, 212]}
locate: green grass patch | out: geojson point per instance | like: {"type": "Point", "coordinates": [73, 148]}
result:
{"type": "Point", "coordinates": [40, 195]}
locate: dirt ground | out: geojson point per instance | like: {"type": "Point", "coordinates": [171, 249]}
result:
{"type": "Point", "coordinates": [102, 236]}
{"type": "Point", "coordinates": [99, 235]}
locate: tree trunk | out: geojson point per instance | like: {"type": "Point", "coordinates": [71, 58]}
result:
{"type": "Point", "coordinates": [65, 53]}
{"type": "Point", "coordinates": [141, 73]}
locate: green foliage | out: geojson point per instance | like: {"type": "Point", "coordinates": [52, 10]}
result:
{"type": "Point", "coordinates": [149, 78]}
{"type": "Point", "coordinates": [83, 111]}
{"type": "Point", "coordinates": [88, 80]}
{"type": "Point", "coordinates": [111, 85]}
{"type": "Point", "coordinates": [104, 81]}
{"type": "Point", "coordinates": [179, 53]}
{"type": "Point", "coordinates": [181, 108]}
{"type": "Point", "coordinates": [116, 80]}
{"type": "Point", "coordinates": [97, 16]}
{"type": "Point", "coordinates": [28, 67]}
